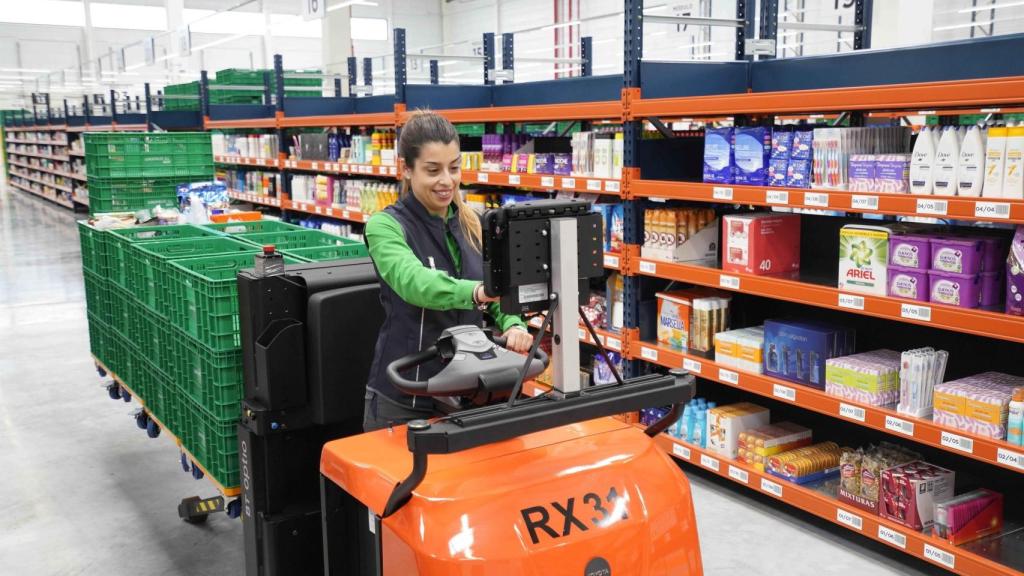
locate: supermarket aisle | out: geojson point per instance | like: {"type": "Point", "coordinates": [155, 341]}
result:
{"type": "Point", "coordinates": [88, 493]}
{"type": "Point", "coordinates": [84, 490]}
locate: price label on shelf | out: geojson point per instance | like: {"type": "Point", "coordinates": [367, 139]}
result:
{"type": "Point", "coordinates": [382, 170]}
{"type": "Point", "coordinates": [728, 376]}
{"type": "Point", "coordinates": [1009, 458]}
{"type": "Point", "coordinates": [346, 168]}
{"type": "Point", "coordinates": [926, 112]}
{"type": "Point", "coordinates": [817, 199]}
{"type": "Point", "coordinates": [613, 343]}
{"type": "Point", "coordinates": [319, 210]}
{"type": "Point", "coordinates": [721, 193]}
{"type": "Point", "coordinates": [850, 301]}
{"type": "Point", "coordinates": [611, 261]}
{"type": "Point", "coordinates": [730, 282]}
{"type": "Point", "coordinates": [932, 207]}
{"type": "Point", "coordinates": [513, 179]}
{"type": "Point", "coordinates": [899, 425]}
{"type": "Point", "coordinates": [739, 474]}
{"type": "Point", "coordinates": [692, 365]}
{"type": "Point", "coordinates": [939, 556]}
{"type": "Point", "coordinates": [345, 214]}
{"type": "Point", "coordinates": [680, 450]}
{"type": "Point", "coordinates": [314, 165]}
{"type": "Point", "coordinates": [392, 170]}
{"type": "Point", "coordinates": [648, 267]}
{"type": "Point", "coordinates": [891, 536]}
{"type": "Point", "coordinates": [852, 412]}
{"type": "Point", "coordinates": [648, 353]}
{"type": "Point", "coordinates": [776, 197]}
{"type": "Point", "coordinates": [612, 186]}
{"type": "Point", "coordinates": [709, 462]}
{"type": "Point", "coordinates": [365, 217]}
{"type": "Point", "coordinates": [784, 392]}
{"type": "Point", "coordinates": [547, 181]}
{"type": "Point", "coordinates": [999, 210]}
{"type": "Point", "coordinates": [483, 177]}
{"type": "Point", "coordinates": [593, 185]}
{"type": "Point", "coordinates": [990, 110]}
{"type": "Point", "coordinates": [915, 312]}
{"type": "Point", "coordinates": [859, 202]}
{"type": "Point", "coordinates": [773, 488]}
{"type": "Point", "coordinates": [568, 183]}
{"type": "Point", "coordinates": [957, 442]}
{"type": "Point", "coordinates": [582, 334]}
{"type": "Point", "coordinates": [850, 519]}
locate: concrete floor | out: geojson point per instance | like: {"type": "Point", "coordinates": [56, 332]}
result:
{"type": "Point", "coordinates": [86, 492]}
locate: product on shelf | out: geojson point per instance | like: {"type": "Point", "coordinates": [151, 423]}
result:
{"type": "Point", "coordinates": [872, 159]}
{"type": "Point", "coordinates": [602, 374]}
{"type": "Point", "coordinates": [726, 423]}
{"type": "Point", "coordinates": [995, 162]}
{"type": "Point", "coordinates": [909, 493]}
{"type": "Point", "coordinates": [245, 145]}
{"type": "Point", "coordinates": [864, 258]}
{"type": "Point", "coordinates": [1013, 168]}
{"type": "Point", "coordinates": [968, 517]}
{"type": "Point", "coordinates": [614, 225]}
{"type": "Point", "coordinates": [861, 473]}
{"type": "Point", "coordinates": [871, 378]}
{"type": "Point", "coordinates": [808, 464]}
{"type": "Point", "coordinates": [757, 444]}
{"type": "Point", "coordinates": [742, 349]}
{"type": "Point", "coordinates": [689, 319]}
{"type": "Point", "coordinates": [797, 350]}
{"type": "Point", "coordinates": [977, 404]}
{"type": "Point", "coordinates": [970, 170]}
{"type": "Point", "coordinates": [1015, 418]}
{"type": "Point", "coordinates": [692, 425]}
{"type": "Point", "coordinates": [1015, 275]}
{"type": "Point", "coordinates": [680, 235]}
{"type": "Point", "coordinates": [719, 165]}
{"type": "Point", "coordinates": [944, 167]}
{"type": "Point", "coordinates": [761, 243]}
{"type": "Point", "coordinates": [920, 371]}
{"type": "Point", "coordinates": [751, 151]}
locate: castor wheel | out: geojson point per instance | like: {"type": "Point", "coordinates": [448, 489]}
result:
{"type": "Point", "coordinates": [235, 508]}
{"type": "Point", "coordinates": [125, 395]}
{"type": "Point", "coordinates": [196, 510]}
{"type": "Point", "coordinates": [184, 463]}
{"type": "Point", "coordinates": [197, 472]}
{"type": "Point", "coordinates": [152, 428]}
{"type": "Point", "coordinates": [114, 391]}
{"type": "Point", "coordinates": [141, 419]}
{"type": "Point", "coordinates": [101, 371]}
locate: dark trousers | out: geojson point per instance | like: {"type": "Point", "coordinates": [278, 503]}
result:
{"type": "Point", "coordinates": [379, 411]}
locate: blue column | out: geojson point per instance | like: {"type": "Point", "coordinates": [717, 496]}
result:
{"type": "Point", "coordinates": [400, 65]}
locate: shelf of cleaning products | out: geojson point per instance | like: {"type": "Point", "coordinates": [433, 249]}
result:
{"type": "Point", "coordinates": [953, 207]}
{"type": "Point", "coordinates": [960, 559]}
{"type": "Point", "coordinates": [965, 320]}
{"type": "Point", "coordinates": [919, 430]}
{"type": "Point", "coordinates": [325, 167]}
{"type": "Point", "coordinates": [544, 182]}
{"type": "Point", "coordinates": [54, 199]}
{"type": "Point", "coordinates": [229, 492]}
{"type": "Point", "coordinates": [307, 207]}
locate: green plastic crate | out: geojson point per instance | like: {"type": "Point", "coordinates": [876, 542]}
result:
{"type": "Point", "coordinates": [287, 240]}
{"type": "Point", "coordinates": [147, 264]}
{"type": "Point", "coordinates": [325, 253]}
{"type": "Point", "coordinates": [212, 442]}
{"type": "Point", "coordinates": [149, 155]}
{"type": "Point", "coordinates": [212, 379]}
{"type": "Point", "coordinates": [256, 226]}
{"type": "Point", "coordinates": [97, 296]}
{"type": "Point", "coordinates": [116, 352]}
{"type": "Point", "coordinates": [129, 195]}
{"type": "Point", "coordinates": [119, 241]}
{"type": "Point", "coordinates": [93, 255]}
{"type": "Point", "coordinates": [97, 334]}
{"type": "Point", "coordinates": [120, 318]}
{"type": "Point", "coordinates": [204, 297]}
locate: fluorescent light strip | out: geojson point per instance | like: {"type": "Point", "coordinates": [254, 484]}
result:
{"type": "Point", "coordinates": [973, 24]}
{"type": "Point", "coordinates": [989, 7]}
{"type": "Point", "coordinates": [348, 3]}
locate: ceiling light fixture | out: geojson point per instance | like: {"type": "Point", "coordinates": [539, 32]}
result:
{"type": "Point", "coordinates": [348, 3]}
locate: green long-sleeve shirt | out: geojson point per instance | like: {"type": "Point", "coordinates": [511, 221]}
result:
{"type": "Point", "coordinates": [415, 283]}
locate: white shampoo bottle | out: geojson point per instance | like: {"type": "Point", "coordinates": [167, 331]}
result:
{"type": "Point", "coordinates": [1013, 170]}
{"type": "Point", "coordinates": [921, 162]}
{"type": "Point", "coordinates": [995, 155]}
{"type": "Point", "coordinates": [944, 169]}
{"type": "Point", "coordinates": [970, 168]}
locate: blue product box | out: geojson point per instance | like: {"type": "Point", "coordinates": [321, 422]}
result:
{"type": "Point", "coordinates": [803, 142]}
{"type": "Point", "coordinates": [718, 156]}
{"type": "Point", "coordinates": [797, 350]}
{"type": "Point", "coordinates": [617, 228]}
{"type": "Point", "coordinates": [782, 141]}
{"type": "Point", "coordinates": [777, 168]}
{"type": "Point", "coordinates": [798, 173]}
{"type": "Point", "coordinates": [750, 155]}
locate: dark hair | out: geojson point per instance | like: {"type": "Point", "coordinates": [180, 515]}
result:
{"type": "Point", "coordinates": [422, 128]}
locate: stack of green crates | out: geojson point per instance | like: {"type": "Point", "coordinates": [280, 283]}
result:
{"type": "Point", "coordinates": [181, 96]}
{"type": "Point", "coordinates": [130, 171]}
{"type": "Point", "coordinates": [254, 78]}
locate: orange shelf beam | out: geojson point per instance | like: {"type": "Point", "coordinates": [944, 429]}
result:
{"type": "Point", "coordinates": [307, 207]}
{"type": "Point", "coordinates": [246, 161]}
{"type": "Point", "coordinates": [915, 97]}
{"type": "Point", "coordinates": [611, 109]}
{"type": "Point", "coordinates": [917, 544]}
{"type": "Point", "coordinates": [381, 119]}
{"type": "Point", "coordinates": [243, 123]}
{"type": "Point", "coordinates": [987, 450]}
{"type": "Point", "coordinates": [325, 167]}
{"type": "Point", "coordinates": [544, 182]}
{"type": "Point", "coordinates": [967, 320]}
{"type": "Point", "coordinates": [957, 207]}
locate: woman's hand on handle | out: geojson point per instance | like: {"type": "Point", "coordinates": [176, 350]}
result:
{"type": "Point", "coordinates": [518, 339]}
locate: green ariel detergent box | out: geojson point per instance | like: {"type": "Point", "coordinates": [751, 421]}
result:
{"type": "Point", "coordinates": [864, 258]}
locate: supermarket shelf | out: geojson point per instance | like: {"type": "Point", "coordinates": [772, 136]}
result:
{"type": "Point", "coordinates": [544, 182]}
{"type": "Point", "coordinates": [325, 167]}
{"type": "Point", "coordinates": [229, 492]}
{"type": "Point", "coordinates": [923, 96]}
{"type": "Point", "coordinates": [917, 544]}
{"type": "Point", "coordinates": [246, 161]}
{"type": "Point", "coordinates": [610, 340]}
{"type": "Point", "coordinates": [34, 155]}
{"type": "Point", "coordinates": [965, 320]}
{"type": "Point", "coordinates": [76, 153]}
{"type": "Point", "coordinates": [58, 173]}
{"type": "Point", "coordinates": [269, 122]}
{"type": "Point", "coordinates": [39, 142]}
{"type": "Point", "coordinates": [307, 207]}
{"type": "Point", "coordinates": [68, 205]}
{"type": "Point", "coordinates": [41, 181]}
{"type": "Point", "coordinates": [45, 128]}
{"type": "Point", "coordinates": [955, 207]}
{"type": "Point", "coordinates": [987, 450]}
{"type": "Point", "coordinates": [84, 201]}
{"type": "Point", "coordinates": [380, 119]}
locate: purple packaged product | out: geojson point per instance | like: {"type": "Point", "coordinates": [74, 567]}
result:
{"type": "Point", "coordinates": [802, 144]}
{"type": "Point", "coordinates": [862, 173]}
{"type": "Point", "coordinates": [963, 290]}
{"type": "Point", "coordinates": [798, 174]}
{"type": "Point", "coordinates": [910, 251]}
{"type": "Point", "coordinates": [1015, 275]}
{"type": "Point", "coordinates": [782, 141]}
{"type": "Point", "coordinates": [719, 165]}
{"type": "Point", "coordinates": [958, 255]}
{"type": "Point", "coordinates": [777, 168]}
{"type": "Point", "coordinates": [750, 155]}
{"type": "Point", "coordinates": [892, 173]}
{"type": "Point", "coordinates": [992, 253]}
{"type": "Point", "coordinates": [910, 283]}
{"type": "Point", "coordinates": [543, 164]}
{"type": "Point", "coordinates": [991, 288]}
{"type": "Point", "coordinates": [562, 163]}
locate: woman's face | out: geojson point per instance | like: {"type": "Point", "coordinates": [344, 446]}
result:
{"type": "Point", "coordinates": [436, 175]}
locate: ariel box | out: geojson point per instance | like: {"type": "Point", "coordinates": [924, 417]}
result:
{"type": "Point", "coordinates": [864, 258]}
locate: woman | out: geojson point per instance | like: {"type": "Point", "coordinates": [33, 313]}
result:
{"type": "Point", "coordinates": [426, 249]}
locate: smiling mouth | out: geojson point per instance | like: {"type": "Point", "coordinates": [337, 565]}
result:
{"type": "Point", "coordinates": [443, 194]}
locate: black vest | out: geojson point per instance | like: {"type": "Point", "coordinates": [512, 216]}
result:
{"type": "Point", "coordinates": [407, 328]}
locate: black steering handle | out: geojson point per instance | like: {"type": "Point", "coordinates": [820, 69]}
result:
{"type": "Point", "coordinates": [415, 387]}
{"type": "Point", "coordinates": [503, 342]}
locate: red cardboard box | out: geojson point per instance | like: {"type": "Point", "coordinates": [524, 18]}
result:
{"type": "Point", "coordinates": [762, 243]}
